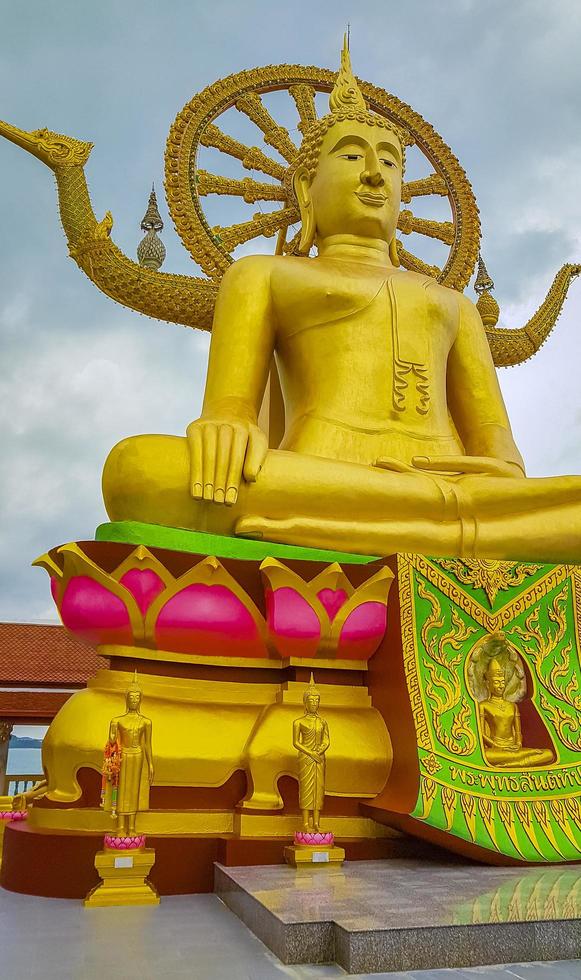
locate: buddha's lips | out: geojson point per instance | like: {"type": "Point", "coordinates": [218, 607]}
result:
{"type": "Point", "coordinates": [376, 200]}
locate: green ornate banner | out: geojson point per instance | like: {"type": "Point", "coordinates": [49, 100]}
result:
{"type": "Point", "coordinates": [492, 660]}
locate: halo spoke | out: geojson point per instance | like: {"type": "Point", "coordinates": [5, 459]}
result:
{"type": "Point", "coordinates": [250, 156]}
{"type": "Point", "coordinates": [249, 190]}
{"type": "Point", "coordinates": [434, 184]}
{"type": "Point", "coordinates": [276, 136]}
{"type": "Point", "coordinates": [304, 96]}
{"type": "Point", "coordinates": [442, 230]}
{"type": "Point", "coordinates": [260, 224]}
{"type": "Point", "coordinates": [414, 264]}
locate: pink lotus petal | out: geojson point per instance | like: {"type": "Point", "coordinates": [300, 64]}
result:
{"type": "Point", "coordinates": [332, 600]}
{"type": "Point", "coordinates": [95, 613]}
{"type": "Point", "coordinates": [144, 584]}
{"type": "Point", "coordinates": [208, 620]}
{"type": "Point", "coordinates": [363, 630]}
{"type": "Point", "coordinates": [292, 622]}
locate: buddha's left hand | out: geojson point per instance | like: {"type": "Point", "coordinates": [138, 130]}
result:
{"type": "Point", "coordinates": [483, 465]}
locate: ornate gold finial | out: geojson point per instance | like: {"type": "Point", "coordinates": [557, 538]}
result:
{"type": "Point", "coordinates": [151, 250]}
{"type": "Point", "coordinates": [487, 306]}
{"type": "Point", "coordinates": [483, 281]}
{"type": "Point", "coordinates": [346, 96]}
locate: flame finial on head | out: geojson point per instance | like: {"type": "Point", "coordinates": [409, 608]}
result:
{"type": "Point", "coordinates": [134, 686]}
{"type": "Point", "coordinates": [311, 689]}
{"type": "Point", "coordinates": [346, 95]}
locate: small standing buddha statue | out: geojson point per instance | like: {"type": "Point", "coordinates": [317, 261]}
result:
{"type": "Point", "coordinates": [131, 734]}
{"type": "Point", "coordinates": [499, 716]}
{"type": "Point", "coordinates": [311, 740]}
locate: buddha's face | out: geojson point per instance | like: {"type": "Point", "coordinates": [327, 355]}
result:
{"type": "Point", "coordinates": [133, 700]}
{"type": "Point", "coordinates": [312, 703]}
{"type": "Point", "coordinates": [495, 678]}
{"type": "Point", "coordinates": [356, 189]}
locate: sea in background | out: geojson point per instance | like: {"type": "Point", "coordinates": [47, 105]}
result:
{"type": "Point", "coordinates": [24, 761]}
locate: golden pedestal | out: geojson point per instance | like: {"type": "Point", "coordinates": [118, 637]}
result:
{"type": "Point", "coordinates": [299, 855]}
{"type": "Point", "coordinates": [124, 875]}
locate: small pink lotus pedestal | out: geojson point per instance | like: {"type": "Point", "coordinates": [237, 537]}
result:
{"type": "Point", "coordinates": [114, 843]}
{"type": "Point", "coordinates": [6, 816]}
{"type": "Point", "coordinates": [313, 848]}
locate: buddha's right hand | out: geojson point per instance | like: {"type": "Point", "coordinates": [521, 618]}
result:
{"type": "Point", "coordinates": [222, 452]}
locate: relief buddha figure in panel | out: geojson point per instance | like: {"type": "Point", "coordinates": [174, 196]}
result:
{"type": "Point", "coordinates": [396, 434]}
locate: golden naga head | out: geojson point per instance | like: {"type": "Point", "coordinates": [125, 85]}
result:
{"type": "Point", "coordinates": [352, 122]}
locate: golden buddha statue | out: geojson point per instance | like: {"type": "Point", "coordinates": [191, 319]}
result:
{"type": "Point", "coordinates": [311, 740]}
{"type": "Point", "coordinates": [131, 732]}
{"type": "Point", "coordinates": [396, 437]}
{"type": "Point", "coordinates": [501, 679]}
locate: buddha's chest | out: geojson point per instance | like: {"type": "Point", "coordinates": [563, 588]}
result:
{"type": "Point", "coordinates": [311, 731]}
{"type": "Point", "coordinates": [130, 732]}
{"type": "Point", "coordinates": [385, 338]}
{"type": "Point", "coordinates": [397, 314]}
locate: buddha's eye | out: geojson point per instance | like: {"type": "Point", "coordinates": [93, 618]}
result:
{"type": "Point", "coordinates": [388, 163]}
{"type": "Point", "coordinates": [351, 156]}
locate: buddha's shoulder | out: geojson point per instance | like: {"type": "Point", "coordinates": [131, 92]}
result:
{"type": "Point", "coordinates": [278, 270]}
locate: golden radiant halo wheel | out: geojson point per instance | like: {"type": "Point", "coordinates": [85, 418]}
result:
{"type": "Point", "coordinates": [196, 125]}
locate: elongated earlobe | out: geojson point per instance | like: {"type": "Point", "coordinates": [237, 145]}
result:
{"type": "Point", "coordinates": [302, 188]}
{"type": "Point", "coordinates": [393, 253]}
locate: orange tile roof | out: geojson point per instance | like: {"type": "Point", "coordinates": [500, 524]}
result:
{"type": "Point", "coordinates": [46, 655]}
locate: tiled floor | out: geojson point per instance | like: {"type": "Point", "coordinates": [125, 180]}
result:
{"type": "Point", "coordinates": [404, 893]}
{"type": "Point", "coordinates": [194, 936]}
{"type": "Point", "coordinates": [406, 914]}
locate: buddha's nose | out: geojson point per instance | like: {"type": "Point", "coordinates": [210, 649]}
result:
{"type": "Point", "coordinates": [372, 174]}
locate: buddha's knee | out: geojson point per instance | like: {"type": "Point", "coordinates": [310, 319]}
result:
{"type": "Point", "coordinates": [138, 469]}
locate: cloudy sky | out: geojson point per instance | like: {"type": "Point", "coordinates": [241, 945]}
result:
{"type": "Point", "coordinates": [501, 82]}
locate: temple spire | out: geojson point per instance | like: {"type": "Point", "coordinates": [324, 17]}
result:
{"type": "Point", "coordinates": [487, 306]}
{"type": "Point", "coordinates": [483, 281]}
{"type": "Point", "coordinates": [151, 250]}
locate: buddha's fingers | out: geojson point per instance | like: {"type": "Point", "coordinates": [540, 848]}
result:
{"type": "Point", "coordinates": [223, 451]}
{"type": "Point", "coordinates": [209, 444]}
{"type": "Point", "coordinates": [237, 453]}
{"type": "Point", "coordinates": [467, 464]}
{"type": "Point", "coordinates": [255, 453]}
{"type": "Point", "coordinates": [195, 447]}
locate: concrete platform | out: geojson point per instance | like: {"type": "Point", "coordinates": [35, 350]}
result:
{"type": "Point", "coordinates": [403, 915]}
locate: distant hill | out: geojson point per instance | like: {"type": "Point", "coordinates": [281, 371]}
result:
{"type": "Point", "coordinates": [16, 742]}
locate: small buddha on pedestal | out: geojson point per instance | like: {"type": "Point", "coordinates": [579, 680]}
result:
{"type": "Point", "coordinates": [311, 740]}
{"type": "Point", "coordinates": [125, 862]}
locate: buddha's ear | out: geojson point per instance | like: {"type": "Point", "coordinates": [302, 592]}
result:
{"type": "Point", "coordinates": [302, 189]}
{"type": "Point", "coordinates": [393, 253]}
